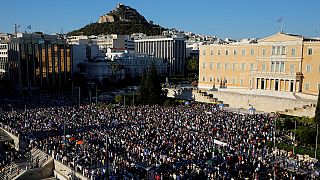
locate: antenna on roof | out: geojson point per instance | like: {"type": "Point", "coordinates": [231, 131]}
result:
{"type": "Point", "coordinates": [280, 20]}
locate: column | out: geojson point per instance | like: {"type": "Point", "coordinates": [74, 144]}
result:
{"type": "Point", "coordinates": [294, 86]}
{"type": "Point", "coordinates": [274, 85]}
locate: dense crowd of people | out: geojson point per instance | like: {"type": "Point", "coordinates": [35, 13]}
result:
{"type": "Point", "coordinates": [199, 141]}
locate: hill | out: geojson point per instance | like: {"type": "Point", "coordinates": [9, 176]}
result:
{"type": "Point", "coordinates": [122, 20]}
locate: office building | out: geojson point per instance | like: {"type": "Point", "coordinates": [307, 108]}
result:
{"type": "Point", "coordinates": [36, 60]}
{"type": "Point", "coordinates": [171, 49]}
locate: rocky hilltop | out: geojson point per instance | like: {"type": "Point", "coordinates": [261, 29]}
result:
{"type": "Point", "coordinates": [121, 20]}
{"type": "Point", "coordinates": [123, 13]}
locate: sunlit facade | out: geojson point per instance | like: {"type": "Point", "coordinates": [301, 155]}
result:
{"type": "Point", "coordinates": [281, 62]}
{"type": "Point", "coordinates": [36, 61]}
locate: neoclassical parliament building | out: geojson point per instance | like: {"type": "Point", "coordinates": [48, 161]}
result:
{"type": "Point", "coordinates": [281, 62]}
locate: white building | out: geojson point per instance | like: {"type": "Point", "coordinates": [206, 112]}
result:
{"type": "Point", "coordinates": [135, 63]}
{"type": "Point", "coordinates": [171, 49]}
{"type": "Point", "coordinates": [3, 59]}
{"type": "Point", "coordinates": [131, 65]}
{"type": "Point", "coordinates": [113, 41]}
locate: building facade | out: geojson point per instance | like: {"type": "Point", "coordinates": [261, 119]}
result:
{"type": "Point", "coordinates": [113, 41]}
{"type": "Point", "coordinates": [171, 49]}
{"type": "Point", "coordinates": [3, 60]}
{"type": "Point", "coordinates": [281, 62]}
{"type": "Point", "coordinates": [36, 61]}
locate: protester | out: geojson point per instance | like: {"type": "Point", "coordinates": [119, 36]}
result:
{"type": "Point", "coordinates": [200, 141]}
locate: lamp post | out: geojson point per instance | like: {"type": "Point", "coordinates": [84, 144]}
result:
{"type": "Point", "coordinates": [79, 96]}
{"type": "Point", "coordinates": [96, 94]}
{"type": "Point", "coordinates": [315, 152]}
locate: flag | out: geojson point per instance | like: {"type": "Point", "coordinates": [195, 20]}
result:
{"type": "Point", "coordinates": [72, 139]}
{"type": "Point", "coordinates": [29, 27]}
{"type": "Point", "coordinates": [19, 26]}
{"type": "Point", "coordinates": [79, 142]}
{"type": "Point", "coordinates": [280, 20]}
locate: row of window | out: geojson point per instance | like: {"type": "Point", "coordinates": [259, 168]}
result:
{"type": "Point", "coordinates": [5, 52]}
{"type": "Point", "coordinates": [3, 46]}
{"type": "Point", "coordinates": [224, 79]}
{"type": "Point", "coordinates": [276, 50]}
{"type": "Point", "coordinates": [226, 66]}
{"type": "Point", "coordinates": [227, 52]}
{"type": "Point", "coordinates": [276, 66]}
{"type": "Point", "coordinates": [307, 86]}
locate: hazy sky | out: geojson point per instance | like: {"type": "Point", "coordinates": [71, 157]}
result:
{"type": "Point", "coordinates": [228, 18]}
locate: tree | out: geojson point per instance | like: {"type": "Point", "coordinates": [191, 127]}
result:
{"type": "Point", "coordinates": [150, 91]}
{"type": "Point", "coordinates": [317, 113]}
{"type": "Point", "coordinates": [144, 90]}
{"type": "Point", "coordinates": [154, 86]}
{"type": "Point", "coordinates": [192, 65]}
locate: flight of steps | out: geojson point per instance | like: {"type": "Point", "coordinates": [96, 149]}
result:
{"type": "Point", "coordinates": [9, 171]}
{"type": "Point", "coordinates": [203, 96]}
{"type": "Point", "coordinates": [35, 159]}
{"type": "Point", "coordinates": [38, 157]}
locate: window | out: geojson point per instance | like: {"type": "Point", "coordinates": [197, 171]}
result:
{"type": "Point", "coordinates": [243, 66]}
{"type": "Point", "coordinates": [210, 78]}
{"type": "Point", "coordinates": [263, 52]}
{"type": "Point", "coordinates": [263, 67]}
{"type": "Point", "coordinates": [233, 80]}
{"type": "Point", "coordinates": [243, 52]}
{"type": "Point", "coordinates": [252, 52]}
{"type": "Point", "coordinates": [218, 65]}
{"type": "Point", "coordinates": [203, 65]}
{"type": "Point", "coordinates": [308, 68]}
{"type": "Point", "coordinates": [273, 50]}
{"type": "Point", "coordinates": [204, 52]}
{"type": "Point", "coordinates": [234, 52]}
{"type": "Point", "coordinates": [272, 67]}
{"type": "Point", "coordinates": [293, 51]}
{"type": "Point", "coordinates": [283, 50]}
{"type": "Point", "coordinates": [278, 50]}
{"type": "Point", "coordinates": [203, 79]}
{"type": "Point", "coordinates": [211, 65]}
{"type": "Point", "coordinates": [251, 66]}
{"type": "Point", "coordinates": [226, 66]}
{"type": "Point", "coordinates": [241, 82]}
{"type": "Point", "coordinates": [309, 51]}
{"type": "Point", "coordinates": [277, 67]}
{"type": "Point", "coordinates": [234, 66]}
{"type": "Point", "coordinates": [292, 68]}
{"type": "Point", "coordinates": [307, 86]}
{"type": "Point", "coordinates": [211, 52]}
{"type": "Point", "coordinates": [227, 52]}
{"type": "Point", "coordinates": [219, 52]}
{"type": "Point", "coordinates": [281, 66]}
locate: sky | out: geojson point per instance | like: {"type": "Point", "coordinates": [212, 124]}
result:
{"type": "Point", "coordinates": [235, 19]}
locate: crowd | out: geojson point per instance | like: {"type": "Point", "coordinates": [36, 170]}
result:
{"type": "Point", "coordinates": [200, 141]}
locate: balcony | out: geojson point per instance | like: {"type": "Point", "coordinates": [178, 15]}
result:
{"type": "Point", "coordinates": [276, 75]}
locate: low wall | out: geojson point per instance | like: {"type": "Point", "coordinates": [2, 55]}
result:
{"type": "Point", "coordinates": [238, 100]}
{"type": "Point", "coordinates": [62, 172]}
{"type": "Point", "coordinates": [15, 139]}
{"type": "Point", "coordinates": [43, 172]}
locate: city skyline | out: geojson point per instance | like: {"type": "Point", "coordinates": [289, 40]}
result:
{"type": "Point", "coordinates": [230, 19]}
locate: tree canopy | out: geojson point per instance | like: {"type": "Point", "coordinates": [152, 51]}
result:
{"type": "Point", "coordinates": [150, 91]}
